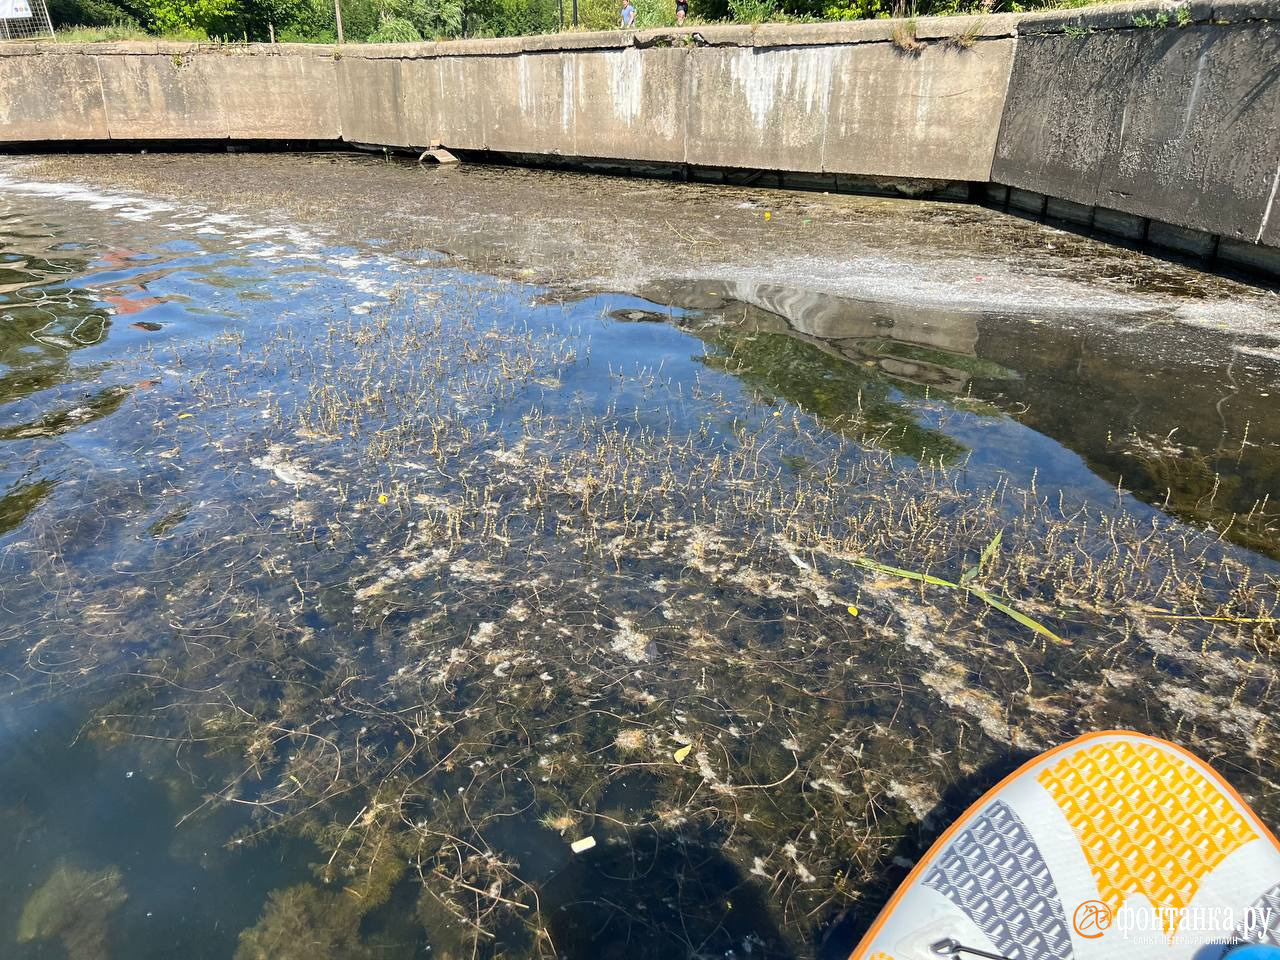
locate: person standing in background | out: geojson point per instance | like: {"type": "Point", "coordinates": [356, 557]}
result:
{"type": "Point", "coordinates": [628, 14]}
{"type": "Point", "coordinates": [682, 10]}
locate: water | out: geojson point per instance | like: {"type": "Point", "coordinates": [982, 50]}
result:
{"type": "Point", "coordinates": [353, 570]}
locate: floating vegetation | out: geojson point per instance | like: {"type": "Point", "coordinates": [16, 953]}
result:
{"type": "Point", "coordinates": [74, 906]}
{"type": "Point", "coordinates": [972, 573]}
{"type": "Point", "coordinates": [541, 645]}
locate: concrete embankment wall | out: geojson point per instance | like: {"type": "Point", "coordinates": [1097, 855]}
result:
{"type": "Point", "coordinates": [1144, 119]}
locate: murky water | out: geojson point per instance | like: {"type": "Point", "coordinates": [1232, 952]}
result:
{"type": "Point", "coordinates": [349, 579]}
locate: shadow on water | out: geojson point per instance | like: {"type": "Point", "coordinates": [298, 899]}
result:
{"type": "Point", "coordinates": [1186, 420]}
{"type": "Point", "coordinates": [660, 896]}
{"type": "Point", "coordinates": [839, 939]}
{"type": "Point", "coordinates": [95, 859]}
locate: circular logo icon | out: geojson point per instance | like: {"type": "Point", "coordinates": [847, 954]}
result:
{"type": "Point", "coordinates": [1091, 919]}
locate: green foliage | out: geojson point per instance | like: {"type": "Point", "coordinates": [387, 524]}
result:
{"type": "Point", "coordinates": [507, 18]}
{"type": "Point", "coordinates": [254, 15]}
{"type": "Point", "coordinates": [395, 29]}
{"type": "Point", "coordinates": [436, 18]}
{"type": "Point", "coordinates": [857, 9]}
{"type": "Point", "coordinates": [297, 33]}
{"type": "Point", "coordinates": [655, 13]}
{"type": "Point", "coordinates": [208, 17]}
{"type": "Point", "coordinates": [753, 11]}
{"type": "Point", "coordinates": [81, 33]}
{"type": "Point", "coordinates": [387, 21]}
{"type": "Point", "coordinates": [605, 14]}
{"type": "Point", "coordinates": [594, 14]}
{"type": "Point", "coordinates": [120, 14]}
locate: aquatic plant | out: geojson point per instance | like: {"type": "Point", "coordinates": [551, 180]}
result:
{"type": "Point", "coordinates": [443, 594]}
{"type": "Point", "coordinates": [305, 923]}
{"type": "Point", "coordinates": [74, 906]}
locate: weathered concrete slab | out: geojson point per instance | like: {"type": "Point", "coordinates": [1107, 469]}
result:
{"type": "Point", "coordinates": [290, 98]}
{"type": "Point", "coordinates": [1117, 16]}
{"type": "Point", "coordinates": [1270, 232]}
{"type": "Point", "coordinates": [810, 34]}
{"type": "Point", "coordinates": [600, 40]}
{"type": "Point", "coordinates": [1201, 133]}
{"type": "Point", "coordinates": [761, 108]}
{"type": "Point", "coordinates": [192, 94]}
{"type": "Point", "coordinates": [1251, 256]}
{"type": "Point", "coordinates": [1054, 134]}
{"type": "Point", "coordinates": [530, 103]}
{"type": "Point", "coordinates": [370, 102]}
{"type": "Point", "coordinates": [28, 83]}
{"type": "Point", "coordinates": [1191, 138]}
{"type": "Point", "coordinates": [965, 29]}
{"type": "Point", "coordinates": [165, 97]}
{"type": "Point", "coordinates": [460, 111]}
{"type": "Point", "coordinates": [935, 113]}
{"type": "Point", "coordinates": [420, 95]}
{"type": "Point", "coordinates": [1238, 11]}
{"type": "Point", "coordinates": [630, 104]}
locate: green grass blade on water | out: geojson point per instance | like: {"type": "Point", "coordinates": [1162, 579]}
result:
{"type": "Point", "coordinates": [982, 595]}
{"type": "Point", "coordinates": [1018, 615]}
{"type": "Point", "coordinates": [909, 574]}
{"type": "Point", "coordinates": [988, 553]}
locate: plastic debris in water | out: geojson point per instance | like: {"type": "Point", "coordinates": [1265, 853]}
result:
{"type": "Point", "coordinates": [583, 845]}
{"type": "Point", "coordinates": [682, 753]}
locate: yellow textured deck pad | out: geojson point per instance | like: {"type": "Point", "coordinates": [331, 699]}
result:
{"type": "Point", "coordinates": [1114, 846]}
{"type": "Point", "coordinates": [1147, 822]}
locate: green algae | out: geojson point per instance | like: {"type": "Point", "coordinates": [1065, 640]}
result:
{"type": "Point", "coordinates": [305, 923]}
{"type": "Point", "coordinates": [74, 906]}
{"type": "Point", "coordinates": [19, 500]}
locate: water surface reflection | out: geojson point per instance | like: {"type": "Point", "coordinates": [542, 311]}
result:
{"type": "Point", "coordinates": [1186, 420]}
